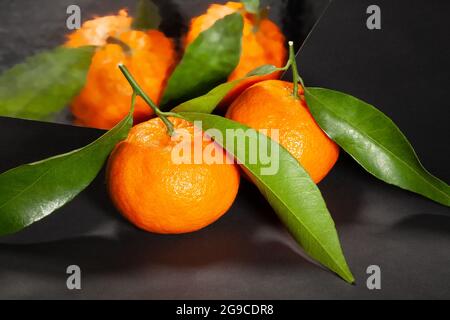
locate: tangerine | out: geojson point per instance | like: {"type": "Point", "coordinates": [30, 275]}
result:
{"type": "Point", "coordinates": [262, 43]}
{"type": "Point", "coordinates": [161, 195]}
{"type": "Point", "coordinates": [150, 55]}
{"type": "Point", "coordinates": [271, 105]}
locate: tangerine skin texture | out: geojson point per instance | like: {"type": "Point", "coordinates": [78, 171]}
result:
{"type": "Point", "coordinates": [160, 196]}
{"type": "Point", "coordinates": [105, 98]}
{"type": "Point", "coordinates": [271, 105]}
{"type": "Point", "coordinates": [261, 44]}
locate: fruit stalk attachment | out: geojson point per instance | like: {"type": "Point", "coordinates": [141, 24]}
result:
{"type": "Point", "coordinates": [295, 76]}
{"type": "Point", "coordinates": [137, 91]}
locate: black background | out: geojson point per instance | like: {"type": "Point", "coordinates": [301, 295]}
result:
{"type": "Point", "coordinates": [402, 69]}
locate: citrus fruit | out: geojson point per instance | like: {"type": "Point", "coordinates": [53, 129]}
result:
{"type": "Point", "coordinates": [271, 105]}
{"type": "Point", "coordinates": [105, 98]}
{"type": "Point", "coordinates": [262, 42]}
{"type": "Point", "coordinates": [159, 194]}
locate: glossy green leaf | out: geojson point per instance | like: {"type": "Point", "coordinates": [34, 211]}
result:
{"type": "Point", "coordinates": [32, 191]}
{"type": "Point", "coordinates": [45, 83]}
{"type": "Point", "coordinates": [291, 192]}
{"type": "Point", "coordinates": [147, 16]}
{"type": "Point", "coordinates": [251, 6]}
{"type": "Point", "coordinates": [264, 70]}
{"type": "Point", "coordinates": [207, 61]}
{"type": "Point", "coordinates": [208, 102]}
{"type": "Point", "coordinates": [374, 141]}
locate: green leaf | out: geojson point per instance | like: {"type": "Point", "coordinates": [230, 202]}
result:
{"type": "Point", "coordinates": [208, 102]}
{"type": "Point", "coordinates": [207, 61]}
{"type": "Point", "coordinates": [147, 16]}
{"type": "Point", "coordinates": [291, 192]}
{"type": "Point", "coordinates": [264, 70]}
{"type": "Point", "coordinates": [251, 6]}
{"type": "Point", "coordinates": [374, 141]}
{"type": "Point", "coordinates": [32, 191]}
{"type": "Point", "coordinates": [45, 83]}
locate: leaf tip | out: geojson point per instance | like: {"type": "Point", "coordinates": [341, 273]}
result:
{"type": "Point", "coordinates": [350, 279]}
{"type": "Point", "coordinates": [346, 274]}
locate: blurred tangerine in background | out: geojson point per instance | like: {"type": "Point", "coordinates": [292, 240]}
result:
{"type": "Point", "coordinates": [262, 43]}
{"type": "Point", "coordinates": [151, 57]}
{"type": "Point", "coordinates": [105, 98]}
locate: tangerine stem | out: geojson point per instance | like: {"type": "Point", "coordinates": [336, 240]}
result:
{"type": "Point", "coordinates": [137, 90]}
{"type": "Point", "coordinates": [295, 76]}
{"type": "Point", "coordinates": [125, 47]}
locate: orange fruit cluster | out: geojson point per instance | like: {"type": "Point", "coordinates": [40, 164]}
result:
{"type": "Point", "coordinates": [147, 186]}
{"type": "Point", "coordinates": [151, 57]}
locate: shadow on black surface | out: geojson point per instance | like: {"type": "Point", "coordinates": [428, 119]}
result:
{"type": "Point", "coordinates": [231, 241]}
{"type": "Point", "coordinates": [98, 196]}
{"type": "Point", "coordinates": [74, 234]}
{"type": "Point", "coordinates": [24, 141]}
{"type": "Point", "coordinates": [234, 239]}
{"type": "Point", "coordinates": [425, 223]}
{"type": "Point", "coordinates": [344, 199]}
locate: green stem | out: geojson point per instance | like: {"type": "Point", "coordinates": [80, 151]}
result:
{"type": "Point", "coordinates": [125, 47]}
{"type": "Point", "coordinates": [295, 76]}
{"type": "Point", "coordinates": [133, 100]}
{"type": "Point", "coordinates": [137, 90]}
